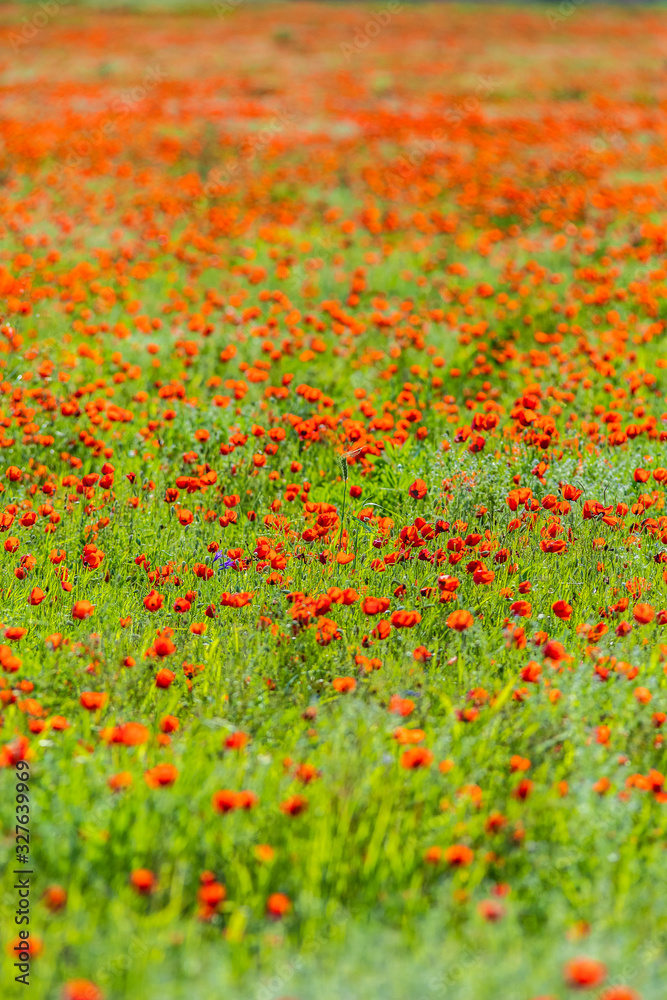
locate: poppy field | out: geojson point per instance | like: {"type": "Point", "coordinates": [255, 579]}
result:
{"type": "Point", "coordinates": [333, 541]}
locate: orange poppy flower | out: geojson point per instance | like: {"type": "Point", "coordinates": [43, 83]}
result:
{"type": "Point", "coordinates": [562, 610]}
{"type": "Point", "coordinates": [460, 620]}
{"type": "Point", "coordinates": [583, 973]}
{"type": "Point", "coordinates": [81, 989]}
{"type": "Point", "coordinates": [93, 700]}
{"type": "Point", "coordinates": [224, 801]}
{"type": "Point", "coordinates": [416, 757]}
{"type": "Point", "coordinates": [401, 706]}
{"type": "Point", "coordinates": [404, 736]}
{"type": "Point", "coordinates": [491, 910]}
{"type": "Point", "coordinates": [523, 789]}
{"type": "Point", "coordinates": [164, 678]}
{"type": "Point", "coordinates": [375, 605]}
{"type": "Point", "coordinates": [458, 856]}
{"type": "Point", "coordinates": [554, 650]}
{"type": "Point", "coordinates": [418, 489]}
{"type": "Point", "coordinates": [82, 610]}
{"type": "Point", "coordinates": [142, 880]}
{"type": "Point", "coordinates": [237, 740]}
{"type": "Point", "coordinates": [15, 633]}
{"type": "Point", "coordinates": [33, 946]}
{"type": "Point", "coordinates": [294, 805]}
{"type": "Point", "coordinates": [161, 775]}
{"type": "Point", "coordinates": [163, 646]}
{"type": "Point", "coordinates": [55, 898]}
{"type": "Point", "coordinates": [132, 734]}
{"type": "Point", "coordinates": [531, 672]}
{"type": "Point", "coordinates": [121, 780]}
{"type": "Point", "coordinates": [421, 654]}
{"type": "Point", "coordinates": [278, 905]}
{"type": "Point", "coordinates": [343, 684]}
{"type": "Point", "coordinates": [405, 619]}
{"type": "Point", "coordinates": [643, 613]}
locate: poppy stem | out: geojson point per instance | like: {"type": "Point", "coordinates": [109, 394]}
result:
{"type": "Point", "coordinates": [343, 466]}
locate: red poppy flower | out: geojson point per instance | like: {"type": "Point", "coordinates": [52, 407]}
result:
{"type": "Point", "coordinates": [161, 775]}
{"type": "Point", "coordinates": [132, 734]}
{"type": "Point", "coordinates": [163, 646]}
{"type": "Point", "coordinates": [343, 684]}
{"type": "Point", "coordinates": [82, 609]}
{"type": "Point", "coordinates": [562, 610]}
{"type": "Point", "coordinates": [643, 613]}
{"type": "Point", "coordinates": [554, 650]}
{"type": "Point", "coordinates": [294, 805]}
{"type": "Point", "coordinates": [119, 781]}
{"type": "Point", "coordinates": [211, 894]}
{"type": "Point", "coordinates": [55, 898]}
{"type": "Point", "coordinates": [421, 654]}
{"type": "Point", "coordinates": [416, 757]}
{"type": "Point", "coordinates": [224, 801]}
{"type": "Point", "coordinates": [418, 489]}
{"type": "Point", "coordinates": [460, 620]}
{"type": "Point", "coordinates": [164, 678]}
{"type": "Point", "coordinates": [33, 946]}
{"type": "Point", "coordinates": [458, 856]}
{"type": "Point", "coordinates": [153, 601]}
{"type": "Point", "coordinates": [81, 989]}
{"type": "Point", "coordinates": [237, 740]}
{"type": "Point", "coordinates": [401, 706]}
{"type": "Point", "coordinates": [582, 973]}
{"type": "Point", "coordinates": [491, 910]}
{"type": "Point", "coordinates": [375, 605]}
{"type": "Point", "coordinates": [142, 880]}
{"type": "Point", "coordinates": [405, 619]}
{"type": "Point", "coordinates": [278, 905]}
{"type": "Point", "coordinates": [93, 700]}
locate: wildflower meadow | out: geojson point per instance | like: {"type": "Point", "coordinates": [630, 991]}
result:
{"type": "Point", "coordinates": [333, 543]}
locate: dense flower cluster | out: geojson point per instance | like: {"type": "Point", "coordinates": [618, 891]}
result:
{"type": "Point", "coordinates": [332, 503]}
